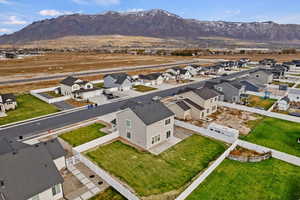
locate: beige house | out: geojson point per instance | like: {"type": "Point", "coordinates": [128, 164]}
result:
{"type": "Point", "coordinates": [203, 101]}
{"type": "Point", "coordinates": [31, 172]}
{"type": "Point", "coordinates": [145, 124]}
{"type": "Point", "coordinates": [7, 102]}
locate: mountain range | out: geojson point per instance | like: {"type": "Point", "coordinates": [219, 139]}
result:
{"type": "Point", "coordinates": [152, 23]}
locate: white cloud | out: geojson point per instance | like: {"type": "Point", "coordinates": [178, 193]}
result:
{"type": "Point", "coordinates": [135, 10]}
{"type": "Point", "coordinates": [5, 30]}
{"type": "Point", "coordinates": [99, 2]}
{"type": "Point", "coordinates": [54, 13]}
{"type": "Point", "coordinates": [4, 1]}
{"type": "Point", "coordinates": [12, 20]}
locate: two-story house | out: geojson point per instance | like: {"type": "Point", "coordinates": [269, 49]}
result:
{"type": "Point", "coordinates": [193, 69]}
{"type": "Point", "coordinates": [31, 172]}
{"type": "Point", "coordinates": [262, 76]}
{"type": "Point", "coordinates": [151, 79]}
{"type": "Point", "coordinates": [118, 82]}
{"type": "Point", "coordinates": [7, 102]}
{"type": "Point", "coordinates": [145, 124]}
{"type": "Point", "coordinates": [231, 90]}
{"type": "Point", "coordinates": [181, 74]}
{"type": "Point", "coordinates": [78, 88]}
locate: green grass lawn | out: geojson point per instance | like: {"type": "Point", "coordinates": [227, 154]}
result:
{"type": "Point", "coordinates": [28, 107]}
{"type": "Point", "coordinates": [148, 174]}
{"type": "Point", "coordinates": [255, 101]}
{"type": "Point", "coordinates": [277, 134]}
{"type": "Point", "coordinates": [298, 86]}
{"type": "Point", "coordinates": [99, 85]}
{"type": "Point", "coordinates": [294, 74]}
{"type": "Point", "coordinates": [283, 83]}
{"type": "Point", "coordinates": [268, 180]}
{"type": "Point", "coordinates": [109, 194]}
{"type": "Point", "coordinates": [53, 94]}
{"type": "Point", "coordinates": [83, 135]}
{"type": "Point", "coordinates": [143, 88]}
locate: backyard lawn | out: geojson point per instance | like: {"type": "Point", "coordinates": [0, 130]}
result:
{"type": "Point", "coordinates": [99, 85]}
{"type": "Point", "coordinates": [268, 180]}
{"type": "Point", "coordinates": [109, 194]}
{"type": "Point", "coordinates": [277, 134]}
{"type": "Point", "coordinates": [148, 174]}
{"type": "Point", "coordinates": [259, 102]}
{"type": "Point", "coordinates": [143, 88]}
{"type": "Point", "coordinates": [28, 107]}
{"type": "Point", "coordinates": [83, 135]}
{"type": "Point", "coordinates": [283, 83]}
{"type": "Point", "coordinates": [53, 94]}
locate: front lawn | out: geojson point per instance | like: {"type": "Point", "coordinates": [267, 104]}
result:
{"type": "Point", "coordinates": [283, 83]}
{"type": "Point", "coordinates": [28, 107]}
{"type": "Point", "coordinates": [268, 180]}
{"type": "Point", "coordinates": [260, 102]}
{"type": "Point", "coordinates": [277, 134]}
{"type": "Point", "coordinates": [83, 135]}
{"type": "Point", "coordinates": [109, 194]}
{"type": "Point", "coordinates": [143, 88]}
{"type": "Point", "coordinates": [148, 174]}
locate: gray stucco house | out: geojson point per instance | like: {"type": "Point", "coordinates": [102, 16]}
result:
{"type": "Point", "coordinates": [118, 81]}
{"type": "Point", "coordinates": [7, 102]}
{"type": "Point", "coordinates": [262, 76]}
{"type": "Point", "coordinates": [145, 124]}
{"type": "Point", "coordinates": [31, 172]}
{"type": "Point", "coordinates": [231, 90]}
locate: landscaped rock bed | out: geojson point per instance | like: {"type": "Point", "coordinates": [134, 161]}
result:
{"type": "Point", "coordinates": [245, 155]}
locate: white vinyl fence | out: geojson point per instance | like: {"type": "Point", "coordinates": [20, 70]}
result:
{"type": "Point", "coordinates": [275, 154]}
{"type": "Point", "coordinates": [206, 173]}
{"type": "Point", "coordinates": [97, 142]}
{"type": "Point", "coordinates": [36, 93]}
{"type": "Point", "coordinates": [205, 132]}
{"type": "Point", "coordinates": [262, 94]}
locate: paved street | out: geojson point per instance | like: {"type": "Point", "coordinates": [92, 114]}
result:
{"type": "Point", "coordinates": [60, 120]}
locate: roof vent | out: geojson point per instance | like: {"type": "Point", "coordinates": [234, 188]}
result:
{"type": "Point", "coordinates": [36, 145]}
{"type": "Point", "coordinates": [2, 184]}
{"type": "Point", "coordinates": [21, 137]}
{"type": "Point", "coordinates": [14, 153]}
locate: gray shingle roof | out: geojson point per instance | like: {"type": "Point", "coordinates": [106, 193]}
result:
{"type": "Point", "coordinates": [69, 81]}
{"type": "Point", "coordinates": [119, 77]}
{"type": "Point", "coordinates": [27, 172]}
{"type": "Point", "coordinates": [205, 93]}
{"type": "Point", "coordinates": [151, 112]}
{"type": "Point", "coordinates": [152, 76]}
{"type": "Point", "coordinates": [192, 103]}
{"type": "Point", "coordinates": [8, 98]}
{"type": "Point", "coordinates": [54, 148]}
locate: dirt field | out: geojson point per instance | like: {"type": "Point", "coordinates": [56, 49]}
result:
{"type": "Point", "coordinates": [73, 62]}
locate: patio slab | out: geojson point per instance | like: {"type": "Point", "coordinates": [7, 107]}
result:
{"type": "Point", "coordinates": [158, 149]}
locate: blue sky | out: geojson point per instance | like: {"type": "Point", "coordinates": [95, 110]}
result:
{"type": "Point", "coordinates": [16, 14]}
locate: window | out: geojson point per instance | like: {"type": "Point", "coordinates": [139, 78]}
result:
{"type": "Point", "coordinates": [155, 139]}
{"type": "Point", "coordinates": [257, 75]}
{"type": "Point", "coordinates": [56, 189]}
{"type": "Point", "coordinates": [128, 123]}
{"type": "Point", "coordinates": [168, 134]}
{"type": "Point", "coordinates": [36, 197]}
{"type": "Point", "coordinates": [128, 135]}
{"type": "Point", "coordinates": [168, 121]}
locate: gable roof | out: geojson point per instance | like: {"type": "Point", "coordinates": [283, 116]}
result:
{"type": "Point", "coordinates": [152, 76]}
{"type": "Point", "coordinates": [27, 172]}
{"type": "Point", "coordinates": [54, 148]}
{"type": "Point", "coordinates": [70, 80]}
{"type": "Point", "coordinates": [8, 97]}
{"type": "Point", "coordinates": [206, 93]}
{"type": "Point", "coordinates": [151, 112]}
{"type": "Point", "coordinates": [183, 105]}
{"type": "Point", "coordinates": [192, 103]}
{"type": "Point", "coordinates": [119, 77]}
{"type": "Point", "coordinates": [285, 99]}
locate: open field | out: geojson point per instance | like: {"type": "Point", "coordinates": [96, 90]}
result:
{"type": "Point", "coordinates": [109, 194]}
{"type": "Point", "coordinates": [294, 74]}
{"type": "Point", "coordinates": [143, 88]}
{"type": "Point", "coordinates": [28, 107]}
{"type": "Point", "coordinates": [259, 102]}
{"type": "Point", "coordinates": [270, 179]}
{"type": "Point", "coordinates": [277, 134]}
{"type": "Point", "coordinates": [283, 83]}
{"type": "Point", "coordinates": [84, 134]}
{"type": "Point", "coordinates": [74, 62]}
{"type": "Point", "coordinates": [154, 175]}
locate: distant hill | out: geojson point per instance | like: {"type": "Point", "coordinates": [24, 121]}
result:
{"type": "Point", "coordinates": [152, 23]}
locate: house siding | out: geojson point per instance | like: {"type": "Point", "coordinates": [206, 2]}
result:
{"type": "Point", "coordinates": [47, 195]}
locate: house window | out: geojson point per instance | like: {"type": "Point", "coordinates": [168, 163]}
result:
{"type": "Point", "coordinates": [36, 197]}
{"type": "Point", "coordinates": [168, 134]}
{"type": "Point", "coordinates": [207, 111]}
{"type": "Point", "coordinates": [257, 75]}
{"type": "Point", "coordinates": [128, 123]}
{"type": "Point", "coordinates": [155, 139]}
{"type": "Point", "coordinates": [128, 135]}
{"type": "Point", "coordinates": [56, 189]}
{"type": "Point", "coordinates": [168, 121]}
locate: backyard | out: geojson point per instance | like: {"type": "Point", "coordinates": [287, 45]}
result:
{"type": "Point", "coordinates": [270, 179]}
{"type": "Point", "coordinates": [84, 134]}
{"type": "Point", "coordinates": [143, 88]}
{"type": "Point", "coordinates": [99, 85]}
{"type": "Point", "coordinates": [277, 134]}
{"type": "Point", "coordinates": [148, 174]}
{"type": "Point", "coordinates": [109, 194]}
{"type": "Point", "coordinates": [28, 107]}
{"type": "Point", "coordinates": [53, 94]}
{"type": "Point", "coordinates": [283, 83]}
{"type": "Point", "coordinates": [260, 102]}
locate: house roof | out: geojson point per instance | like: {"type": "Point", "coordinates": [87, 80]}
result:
{"type": "Point", "coordinates": [152, 76]}
{"type": "Point", "coordinates": [119, 77]}
{"type": "Point", "coordinates": [7, 145]}
{"type": "Point", "coordinates": [54, 148]}
{"type": "Point", "coordinates": [151, 112]}
{"type": "Point", "coordinates": [8, 97]}
{"type": "Point", "coordinates": [195, 105]}
{"type": "Point", "coordinates": [27, 172]}
{"type": "Point", "coordinates": [183, 105]}
{"type": "Point", "coordinates": [206, 93]}
{"type": "Point", "coordinates": [285, 99]}
{"type": "Point", "coordinates": [294, 91]}
{"type": "Point", "coordinates": [70, 80]}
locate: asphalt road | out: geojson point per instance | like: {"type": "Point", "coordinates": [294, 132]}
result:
{"type": "Point", "coordinates": [96, 72]}
{"type": "Point", "coordinates": [36, 127]}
